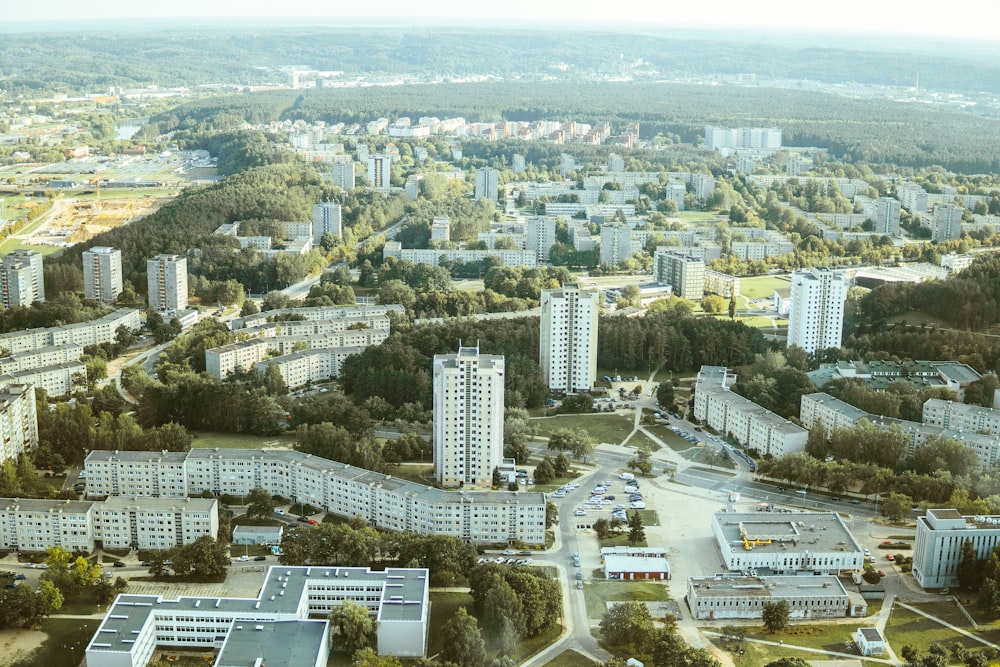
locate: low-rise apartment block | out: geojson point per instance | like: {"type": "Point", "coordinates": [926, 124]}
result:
{"type": "Point", "coordinates": [733, 415]}
{"type": "Point", "coordinates": [299, 369]}
{"type": "Point", "coordinates": [56, 380]}
{"type": "Point", "coordinates": [481, 517]}
{"type": "Point", "coordinates": [92, 332]}
{"type": "Point", "coordinates": [348, 316]}
{"type": "Point", "coordinates": [116, 523]}
{"type": "Point", "coordinates": [433, 256]}
{"type": "Point", "coordinates": [284, 625]}
{"type": "Point", "coordinates": [961, 417]}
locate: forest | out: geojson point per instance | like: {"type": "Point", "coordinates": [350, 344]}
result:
{"type": "Point", "coordinates": [188, 54]}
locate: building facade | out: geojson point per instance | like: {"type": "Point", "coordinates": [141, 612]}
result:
{"type": "Point", "coordinates": [685, 274]}
{"type": "Point", "coordinates": [326, 219]}
{"type": "Point", "coordinates": [568, 338]}
{"type": "Point", "coordinates": [487, 183]}
{"type": "Point", "coordinates": [167, 282]}
{"type": "Point", "coordinates": [102, 274]}
{"type": "Point", "coordinates": [715, 598]}
{"type": "Point", "coordinates": [816, 314]}
{"type": "Point", "coordinates": [384, 501]}
{"type": "Point", "coordinates": [18, 421]}
{"type": "Point", "coordinates": [961, 417]}
{"type": "Point", "coordinates": [21, 279]}
{"type": "Point", "coordinates": [379, 171]}
{"type": "Point", "coordinates": [342, 174]}
{"type": "Point", "coordinates": [937, 547]}
{"type": "Point", "coordinates": [886, 220]}
{"type": "Point", "coordinates": [468, 417]}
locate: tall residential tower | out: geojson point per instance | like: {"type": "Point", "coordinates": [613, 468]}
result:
{"type": "Point", "coordinates": [21, 280]}
{"type": "Point", "coordinates": [167, 282]}
{"type": "Point", "coordinates": [102, 274]}
{"type": "Point", "coordinates": [567, 343]}
{"type": "Point", "coordinates": [468, 417]}
{"type": "Point", "coordinates": [816, 314]}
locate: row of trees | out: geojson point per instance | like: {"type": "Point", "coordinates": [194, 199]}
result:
{"type": "Point", "coordinates": [629, 628]}
{"type": "Point", "coordinates": [514, 603]}
{"type": "Point", "coordinates": [205, 559]}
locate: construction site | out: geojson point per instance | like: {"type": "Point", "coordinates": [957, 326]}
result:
{"type": "Point", "coordinates": [73, 220]}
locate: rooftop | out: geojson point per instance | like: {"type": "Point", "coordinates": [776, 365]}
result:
{"type": "Point", "coordinates": [766, 587]}
{"type": "Point", "coordinates": [274, 643]}
{"type": "Point", "coordinates": [801, 531]}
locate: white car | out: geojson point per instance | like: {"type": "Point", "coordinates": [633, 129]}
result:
{"type": "Point", "coordinates": [580, 513]}
{"type": "Point", "coordinates": [279, 512]}
{"type": "Point", "coordinates": [638, 505]}
{"type": "Point", "coordinates": [559, 494]}
{"type": "Point", "coordinates": [243, 559]}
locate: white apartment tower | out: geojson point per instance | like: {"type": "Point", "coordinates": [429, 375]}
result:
{"type": "Point", "coordinates": [441, 228]}
{"type": "Point", "coordinates": [342, 174]}
{"type": "Point", "coordinates": [18, 420]}
{"type": "Point", "coordinates": [326, 220]}
{"type": "Point", "coordinates": [379, 171]}
{"type": "Point", "coordinates": [468, 417]}
{"type": "Point", "coordinates": [947, 224]}
{"type": "Point", "coordinates": [167, 282]}
{"type": "Point", "coordinates": [21, 280]}
{"type": "Point", "coordinates": [102, 274]}
{"type": "Point", "coordinates": [517, 163]}
{"type": "Point", "coordinates": [541, 236]}
{"type": "Point", "coordinates": [568, 338]}
{"type": "Point", "coordinates": [816, 314]}
{"type": "Point", "coordinates": [487, 183]}
{"type": "Point", "coordinates": [887, 216]}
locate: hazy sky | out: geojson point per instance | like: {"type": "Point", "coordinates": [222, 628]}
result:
{"type": "Point", "coordinates": [970, 19]}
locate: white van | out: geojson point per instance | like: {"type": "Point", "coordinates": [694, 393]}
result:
{"type": "Point", "coordinates": [627, 476]}
{"type": "Point", "coordinates": [638, 505]}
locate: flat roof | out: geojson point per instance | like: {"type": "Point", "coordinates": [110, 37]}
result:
{"type": "Point", "coordinates": [622, 563]}
{"type": "Point", "coordinates": [41, 505]}
{"type": "Point", "coordinates": [871, 634]}
{"type": "Point", "coordinates": [766, 587]}
{"type": "Point", "coordinates": [146, 503]}
{"type": "Point", "coordinates": [802, 531]}
{"type": "Point", "coordinates": [274, 642]}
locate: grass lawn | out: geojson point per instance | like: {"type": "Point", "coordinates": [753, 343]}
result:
{"type": "Point", "coordinates": [908, 628]}
{"type": "Point", "coordinates": [760, 287]}
{"type": "Point", "coordinates": [916, 318]}
{"type": "Point", "coordinates": [674, 441]}
{"type": "Point", "coordinates": [235, 441]}
{"type": "Point", "coordinates": [599, 593]}
{"type": "Point", "coordinates": [67, 640]}
{"type": "Point", "coordinates": [243, 520]}
{"type": "Point", "coordinates": [569, 658]}
{"type": "Point", "coordinates": [421, 473]}
{"type": "Point", "coordinates": [10, 245]}
{"type": "Point", "coordinates": [611, 428]}
{"type": "Point", "coordinates": [443, 607]}
{"type": "Point", "coordinates": [639, 439]}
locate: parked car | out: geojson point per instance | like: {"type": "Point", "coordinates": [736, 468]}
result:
{"type": "Point", "coordinates": [20, 577]}
{"type": "Point", "coordinates": [890, 557]}
{"type": "Point", "coordinates": [279, 512]}
{"type": "Point", "coordinates": [243, 559]}
{"type": "Point", "coordinates": [312, 522]}
{"type": "Point", "coordinates": [260, 558]}
{"type": "Point", "coordinates": [509, 552]}
{"type": "Point", "coordinates": [119, 563]}
{"type": "Point", "coordinates": [580, 513]}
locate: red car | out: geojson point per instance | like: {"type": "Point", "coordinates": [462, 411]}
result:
{"type": "Point", "coordinates": [890, 557]}
{"type": "Point", "coordinates": [312, 522]}
{"type": "Point", "coordinates": [881, 573]}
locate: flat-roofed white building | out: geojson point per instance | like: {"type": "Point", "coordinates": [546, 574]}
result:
{"type": "Point", "coordinates": [347, 316]}
{"type": "Point", "coordinates": [937, 547]}
{"type": "Point", "coordinates": [43, 356]}
{"type": "Point", "coordinates": [326, 219]}
{"type": "Point", "coordinates": [280, 626]}
{"type": "Point", "coordinates": [833, 412]}
{"type": "Point", "coordinates": [486, 517]}
{"type": "Point", "coordinates": [91, 332]}
{"type": "Point", "coordinates": [816, 315]}
{"type": "Point", "coordinates": [35, 525]}
{"type": "Point", "coordinates": [801, 543]}
{"type": "Point", "coordinates": [301, 368]}
{"type": "Point", "coordinates": [167, 282]}
{"type": "Point", "coordinates": [56, 380]}
{"type": "Point", "coordinates": [224, 361]}
{"type": "Point", "coordinates": [961, 417]}
{"type": "Point", "coordinates": [715, 598]}
{"type": "Point", "coordinates": [733, 415]}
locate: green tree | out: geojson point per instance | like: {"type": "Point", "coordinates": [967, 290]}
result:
{"type": "Point", "coordinates": [788, 662]}
{"type": "Point", "coordinates": [260, 504]}
{"type": "Point", "coordinates": [775, 615]}
{"type": "Point", "coordinates": [463, 644]}
{"type": "Point", "coordinates": [503, 616]}
{"type": "Point", "coordinates": [205, 558]}
{"type": "Point", "coordinates": [369, 657]}
{"type": "Point", "coordinates": [545, 472]}
{"type": "Point", "coordinates": [665, 394]}
{"type": "Point", "coordinates": [354, 627]}
{"type": "Point", "coordinates": [970, 568]}
{"type": "Point", "coordinates": [627, 622]}
{"type": "Point", "coordinates": [636, 532]}
{"type": "Point", "coordinates": [895, 505]}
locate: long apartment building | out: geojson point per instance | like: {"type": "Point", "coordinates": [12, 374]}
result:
{"type": "Point", "coordinates": [751, 425]}
{"type": "Point", "coordinates": [482, 517]}
{"type": "Point", "coordinates": [346, 316]}
{"type": "Point", "coordinates": [835, 413]}
{"type": "Point", "coordinates": [91, 332]}
{"type": "Point", "coordinates": [56, 380]}
{"type": "Point", "coordinates": [716, 598]}
{"type": "Point", "coordinates": [433, 256]}
{"type": "Point", "coordinates": [304, 367]}
{"type": "Point", "coordinates": [225, 360]}
{"type": "Point", "coordinates": [18, 421]}
{"type": "Point", "coordinates": [286, 624]}
{"type": "Point", "coordinates": [115, 523]}
{"type": "Point", "coordinates": [568, 338]}
{"type": "Point", "coordinates": [961, 417]}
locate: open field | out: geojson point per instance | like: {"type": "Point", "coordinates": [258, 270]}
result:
{"type": "Point", "coordinates": [239, 441]}
{"type": "Point", "coordinates": [611, 428]}
{"type": "Point", "coordinates": [568, 658]}
{"type": "Point", "coordinates": [760, 287]}
{"type": "Point", "coordinates": [639, 439]}
{"type": "Point", "coordinates": [599, 593]}
{"type": "Point", "coordinates": [64, 643]}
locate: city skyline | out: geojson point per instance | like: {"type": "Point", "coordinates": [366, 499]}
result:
{"type": "Point", "coordinates": [890, 17]}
